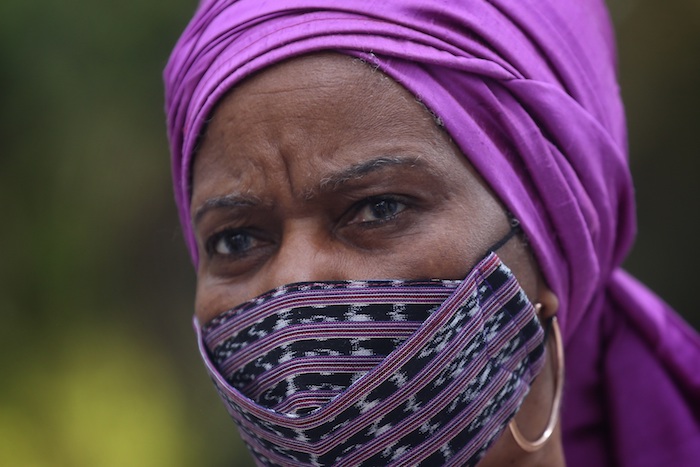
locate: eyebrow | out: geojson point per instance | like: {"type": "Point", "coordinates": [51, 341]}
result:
{"type": "Point", "coordinates": [226, 201]}
{"type": "Point", "coordinates": [328, 183]}
{"type": "Point", "coordinates": [335, 180]}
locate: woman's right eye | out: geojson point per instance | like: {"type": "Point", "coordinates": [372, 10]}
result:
{"type": "Point", "coordinates": [231, 243]}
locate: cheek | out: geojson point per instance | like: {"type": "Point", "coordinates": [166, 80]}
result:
{"type": "Point", "coordinates": [457, 239]}
{"type": "Point", "coordinates": [207, 305]}
{"type": "Point", "coordinates": [213, 298]}
{"type": "Point", "coordinates": [443, 251]}
{"type": "Point", "coordinates": [517, 256]}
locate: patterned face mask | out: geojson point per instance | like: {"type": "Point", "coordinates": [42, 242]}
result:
{"type": "Point", "coordinates": [377, 373]}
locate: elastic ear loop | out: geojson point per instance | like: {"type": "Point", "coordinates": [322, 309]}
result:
{"type": "Point", "coordinates": [532, 446]}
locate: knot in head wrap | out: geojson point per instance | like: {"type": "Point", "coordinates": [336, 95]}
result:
{"type": "Point", "coordinates": [527, 90]}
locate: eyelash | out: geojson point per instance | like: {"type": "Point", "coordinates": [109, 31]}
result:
{"type": "Point", "coordinates": [374, 201]}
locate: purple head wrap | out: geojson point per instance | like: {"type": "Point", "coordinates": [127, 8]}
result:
{"type": "Point", "coordinates": [528, 91]}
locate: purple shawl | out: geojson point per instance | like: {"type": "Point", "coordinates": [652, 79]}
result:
{"type": "Point", "coordinates": [528, 90]}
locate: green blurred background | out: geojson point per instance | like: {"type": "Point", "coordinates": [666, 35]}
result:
{"type": "Point", "coordinates": [98, 364]}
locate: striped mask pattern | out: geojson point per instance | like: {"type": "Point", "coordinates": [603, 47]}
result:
{"type": "Point", "coordinates": [377, 373]}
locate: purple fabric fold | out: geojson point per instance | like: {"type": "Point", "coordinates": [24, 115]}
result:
{"type": "Point", "coordinates": [528, 91]}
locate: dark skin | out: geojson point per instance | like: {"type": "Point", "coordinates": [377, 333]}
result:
{"type": "Point", "coordinates": [322, 169]}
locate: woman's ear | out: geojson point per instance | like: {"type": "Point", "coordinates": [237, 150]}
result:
{"type": "Point", "coordinates": [549, 301]}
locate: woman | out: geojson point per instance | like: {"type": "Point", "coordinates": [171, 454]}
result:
{"type": "Point", "coordinates": [393, 208]}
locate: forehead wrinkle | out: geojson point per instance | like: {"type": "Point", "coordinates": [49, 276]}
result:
{"type": "Point", "coordinates": [316, 87]}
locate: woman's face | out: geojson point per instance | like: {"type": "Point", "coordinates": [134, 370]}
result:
{"type": "Point", "coordinates": [324, 169]}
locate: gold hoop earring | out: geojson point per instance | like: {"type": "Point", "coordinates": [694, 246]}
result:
{"type": "Point", "coordinates": [532, 446]}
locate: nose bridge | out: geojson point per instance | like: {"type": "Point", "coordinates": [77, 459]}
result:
{"type": "Point", "coordinates": [305, 254]}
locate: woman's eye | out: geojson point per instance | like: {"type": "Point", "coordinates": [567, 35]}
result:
{"type": "Point", "coordinates": [230, 243]}
{"type": "Point", "coordinates": [377, 210]}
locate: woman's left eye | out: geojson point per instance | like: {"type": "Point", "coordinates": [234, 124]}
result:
{"type": "Point", "coordinates": [377, 210]}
